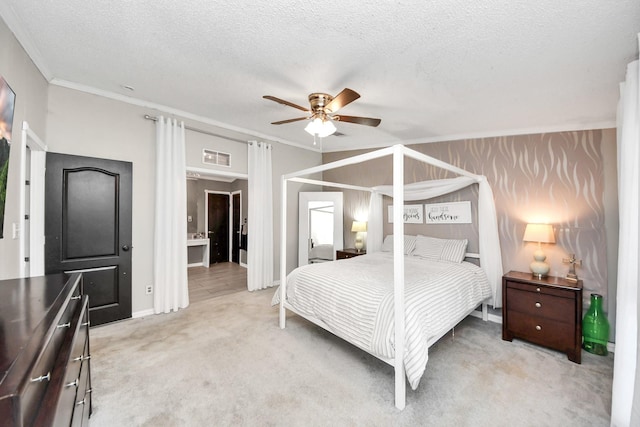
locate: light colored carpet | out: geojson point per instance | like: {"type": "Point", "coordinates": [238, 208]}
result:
{"type": "Point", "coordinates": [224, 362]}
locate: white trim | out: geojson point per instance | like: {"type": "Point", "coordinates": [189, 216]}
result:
{"type": "Point", "coordinates": [251, 134]}
{"type": "Point", "coordinates": [213, 174]}
{"type": "Point", "coordinates": [142, 313]}
{"type": "Point", "coordinates": [569, 127]}
{"type": "Point", "coordinates": [35, 238]}
{"type": "Point", "coordinates": [239, 192]}
{"type": "Point", "coordinates": [23, 37]}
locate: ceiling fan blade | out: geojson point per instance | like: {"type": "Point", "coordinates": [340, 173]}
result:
{"type": "Point", "coordinates": [281, 122]}
{"type": "Point", "coordinates": [347, 96]}
{"type": "Point", "coordinates": [283, 102]}
{"type": "Point", "coordinates": [368, 121]}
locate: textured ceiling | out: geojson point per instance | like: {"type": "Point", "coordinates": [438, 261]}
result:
{"type": "Point", "coordinates": [431, 70]}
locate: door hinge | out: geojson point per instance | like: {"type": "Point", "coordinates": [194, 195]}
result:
{"type": "Point", "coordinates": [26, 217]}
{"type": "Point", "coordinates": [27, 182]}
{"type": "Point", "coordinates": [26, 259]}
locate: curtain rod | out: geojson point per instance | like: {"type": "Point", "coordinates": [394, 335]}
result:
{"type": "Point", "coordinates": [155, 119]}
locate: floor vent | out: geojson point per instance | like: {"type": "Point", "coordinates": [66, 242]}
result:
{"type": "Point", "coordinates": [211, 157]}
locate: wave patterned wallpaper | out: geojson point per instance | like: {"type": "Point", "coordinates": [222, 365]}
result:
{"type": "Point", "coordinates": [556, 178]}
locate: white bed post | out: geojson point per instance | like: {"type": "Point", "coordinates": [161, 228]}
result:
{"type": "Point", "coordinates": [398, 273]}
{"type": "Point", "coordinates": [283, 252]}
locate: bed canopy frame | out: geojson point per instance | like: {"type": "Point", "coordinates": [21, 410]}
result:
{"type": "Point", "coordinates": [489, 244]}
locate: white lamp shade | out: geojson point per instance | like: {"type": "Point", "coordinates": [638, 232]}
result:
{"type": "Point", "coordinates": [541, 233]}
{"type": "Point", "coordinates": [359, 226]}
{"type": "Point", "coordinates": [320, 128]}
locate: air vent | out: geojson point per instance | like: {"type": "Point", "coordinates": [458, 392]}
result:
{"type": "Point", "coordinates": [211, 157]}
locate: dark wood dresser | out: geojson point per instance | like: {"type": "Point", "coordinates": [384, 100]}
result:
{"type": "Point", "coordinates": [45, 375]}
{"type": "Point", "coordinates": [349, 253]}
{"type": "Point", "coordinates": [545, 311]}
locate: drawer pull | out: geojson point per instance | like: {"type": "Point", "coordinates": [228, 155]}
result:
{"type": "Point", "coordinates": [87, 391]}
{"type": "Point", "coordinates": [64, 325]}
{"type": "Point", "coordinates": [76, 297]}
{"type": "Point", "coordinates": [41, 378]}
{"type": "Point", "coordinates": [80, 402]}
{"type": "Point", "coordinates": [72, 384]}
{"type": "Point", "coordinates": [538, 305]}
{"type": "Point", "coordinates": [537, 289]}
{"type": "Point", "coordinates": [86, 324]}
{"type": "Point", "coordinates": [81, 358]}
{"type": "Point", "coordinates": [538, 328]}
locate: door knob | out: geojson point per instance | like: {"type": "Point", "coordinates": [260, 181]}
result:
{"type": "Point", "coordinates": [125, 248]}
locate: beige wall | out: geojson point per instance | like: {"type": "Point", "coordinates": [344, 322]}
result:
{"type": "Point", "coordinates": [95, 126]}
{"type": "Point", "coordinates": [30, 88]}
{"type": "Point", "coordinates": [556, 177]}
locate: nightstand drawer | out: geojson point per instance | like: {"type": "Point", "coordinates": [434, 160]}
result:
{"type": "Point", "coordinates": [540, 289]}
{"type": "Point", "coordinates": [538, 330]}
{"type": "Point", "coordinates": [541, 305]}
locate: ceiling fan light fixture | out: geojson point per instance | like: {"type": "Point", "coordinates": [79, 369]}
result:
{"type": "Point", "coordinates": [318, 127]}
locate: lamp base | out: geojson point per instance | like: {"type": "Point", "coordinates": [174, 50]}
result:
{"type": "Point", "coordinates": [359, 244]}
{"type": "Point", "coordinates": [539, 269]}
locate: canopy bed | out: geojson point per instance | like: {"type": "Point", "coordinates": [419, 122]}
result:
{"type": "Point", "coordinates": [381, 319]}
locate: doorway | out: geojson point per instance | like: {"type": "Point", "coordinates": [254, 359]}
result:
{"type": "Point", "coordinates": [218, 220]}
{"type": "Point", "coordinates": [88, 229]}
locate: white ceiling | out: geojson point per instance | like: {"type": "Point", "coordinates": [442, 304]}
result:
{"type": "Point", "coordinates": [431, 70]}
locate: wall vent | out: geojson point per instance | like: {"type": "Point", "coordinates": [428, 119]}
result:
{"type": "Point", "coordinates": [211, 157]}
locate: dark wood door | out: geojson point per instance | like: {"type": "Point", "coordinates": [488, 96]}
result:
{"type": "Point", "coordinates": [218, 224]}
{"type": "Point", "coordinates": [88, 229]}
{"type": "Point", "coordinates": [235, 240]}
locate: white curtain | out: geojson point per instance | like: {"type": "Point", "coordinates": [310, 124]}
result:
{"type": "Point", "coordinates": [170, 235]}
{"type": "Point", "coordinates": [625, 408]}
{"type": "Point", "coordinates": [490, 253]}
{"type": "Point", "coordinates": [260, 218]}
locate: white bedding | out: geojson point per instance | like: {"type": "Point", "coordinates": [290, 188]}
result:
{"type": "Point", "coordinates": [354, 298]}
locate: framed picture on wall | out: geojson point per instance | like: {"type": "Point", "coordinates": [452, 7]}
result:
{"type": "Point", "coordinates": [7, 106]}
{"type": "Point", "coordinates": [448, 213]}
{"type": "Point", "coordinates": [412, 214]}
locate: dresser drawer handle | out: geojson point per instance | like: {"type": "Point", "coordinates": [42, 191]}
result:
{"type": "Point", "coordinates": [80, 402]}
{"type": "Point", "coordinates": [64, 325]}
{"type": "Point", "coordinates": [42, 378]}
{"type": "Point", "coordinates": [538, 305]}
{"type": "Point", "coordinates": [76, 297]}
{"type": "Point", "coordinates": [81, 358]}
{"type": "Point", "coordinates": [72, 384]}
{"type": "Point", "coordinates": [538, 328]}
{"type": "Point", "coordinates": [537, 289]}
{"type": "Point", "coordinates": [86, 324]}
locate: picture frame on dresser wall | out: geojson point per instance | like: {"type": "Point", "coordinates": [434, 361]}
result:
{"type": "Point", "coordinates": [7, 107]}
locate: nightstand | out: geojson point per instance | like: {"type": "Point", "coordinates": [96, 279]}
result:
{"type": "Point", "coordinates": [545, 311]}
{"type": "Point", "coordinates": [349, 253]}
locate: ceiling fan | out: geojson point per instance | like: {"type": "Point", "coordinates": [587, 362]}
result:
{"type": "Point", "coordinates": [322, 111]}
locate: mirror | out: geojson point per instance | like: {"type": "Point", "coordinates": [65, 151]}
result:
{"type": "Point", "coordinates": [320, 226]}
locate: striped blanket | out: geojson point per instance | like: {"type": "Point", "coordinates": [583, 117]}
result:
{"type": "Point", "coordinates": [354, 298]}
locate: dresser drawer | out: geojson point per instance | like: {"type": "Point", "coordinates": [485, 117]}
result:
{"type": "Point", "coordinates": [539, 330]}
{"type": "Point", "coordinates": [541, 289]}
{"type": "Point", "coordinates": [539, 304]}
{"type": "Point", "coordinates": [45, 368]}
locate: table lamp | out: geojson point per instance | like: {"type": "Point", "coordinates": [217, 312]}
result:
{"type": "Point", "coordinates": [359, 227]}
{"type": "Point", "coordinates": [541, 233]}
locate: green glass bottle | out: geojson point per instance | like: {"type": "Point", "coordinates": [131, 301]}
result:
{"type": "Point", "coordinates": [595, 328]}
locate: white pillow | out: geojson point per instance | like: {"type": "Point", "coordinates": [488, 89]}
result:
{"type": "Point", "coordinates": [409, 244]}
{"type": "Point", "coordinates": [440, 249]}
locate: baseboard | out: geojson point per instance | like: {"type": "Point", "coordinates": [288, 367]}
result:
{"type": "Point", "coordinates": [142, 313]}
{"type": "Point", "coordinates": [492, 317]}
